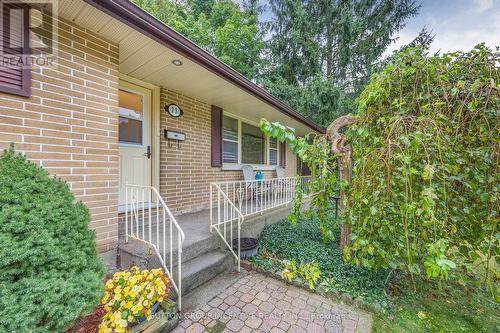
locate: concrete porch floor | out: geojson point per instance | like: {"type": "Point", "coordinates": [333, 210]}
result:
{"type": "Point", "coordinates": [196, 225]}
{"type": "Point", "coordinates": [196, 228]}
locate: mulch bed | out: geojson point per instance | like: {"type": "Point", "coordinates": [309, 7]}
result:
{"type": "Point", "coordinates": [89, 323]}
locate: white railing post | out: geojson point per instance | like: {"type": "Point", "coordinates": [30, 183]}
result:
{"type": "Point", "coordinates": [126, 214]}
{"type": "Point", "coordinates": [260, 195]}
{"type": "Point", "coordinates": [179, 269]}
{"type": "Point", "coordinates": [211, 208]}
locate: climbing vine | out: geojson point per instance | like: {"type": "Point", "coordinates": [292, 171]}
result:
{"type": "Point", "coordinates": [315, 151]}
{"type": "Point", "coordinates": [425, 190]}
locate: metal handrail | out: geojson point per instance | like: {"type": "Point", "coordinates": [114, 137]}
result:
{"type": "Point", "coordinates": [136, 213]}
{"type": "Point", "coordinates": [220, 227]}
{"type": "Point", "coordinates": [236, 200]}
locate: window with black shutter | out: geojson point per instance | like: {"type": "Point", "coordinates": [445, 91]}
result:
{"type": "Point", "coordinates": [14, 76]}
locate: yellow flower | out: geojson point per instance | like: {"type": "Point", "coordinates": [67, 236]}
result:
{"type": "Point", "coordinates": [134, 291]}
{"type": "Point", "coordinates": [117, 316]}
{"type": "Point", "coordinates": [103, 328]}
{"type": "Point", "coordinates": [123, 323]}
{"type": "Point", "coordinates": [105, 298]}
{"type": "Point", "coordinates": [109, 284]}
{"type": "Point", "coordinates": [119, 329]}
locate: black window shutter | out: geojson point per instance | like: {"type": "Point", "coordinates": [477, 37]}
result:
{"type": "Point", "coordinates": [15, 79]}
{"type": "Point", "coordinates": [283, 154]}
{"type": "Point", "coordinates": [216, 136]}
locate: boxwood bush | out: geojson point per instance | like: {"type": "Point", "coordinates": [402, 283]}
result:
{"type": "Point", "coordinates": [50, 273]}
{"type": "Point", "coordinates": [303, 243]}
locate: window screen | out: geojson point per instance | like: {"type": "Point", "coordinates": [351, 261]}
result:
{"type": "Point", "coordinates": [230, 140]}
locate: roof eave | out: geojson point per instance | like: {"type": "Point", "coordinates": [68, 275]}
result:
{"type": "Point", "coordinates": [142, 21]}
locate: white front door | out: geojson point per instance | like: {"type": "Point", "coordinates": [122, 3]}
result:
{"type": "Point", "coordinates": [134, 132]}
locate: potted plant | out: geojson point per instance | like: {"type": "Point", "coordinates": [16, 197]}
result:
{"type": "Point", "coordinates": [132, 297]}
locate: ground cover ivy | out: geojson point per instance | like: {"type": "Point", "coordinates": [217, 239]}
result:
{"type": "Point", "coordinates": [303, 243]}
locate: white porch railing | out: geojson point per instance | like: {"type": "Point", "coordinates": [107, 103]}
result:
{"type": "Point", "coordinates": [232, 201]}
{"type": "Point", "coordinates": [228, 216]}
{"type": "Point", "coordinates": [148, 219]}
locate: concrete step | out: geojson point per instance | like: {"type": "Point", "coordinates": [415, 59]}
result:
{"type": "Point", "coordinates": [200, 268]}
{"type": "Point", "coordinates": [203, 268]}
{"type": "Point", "coordinates": [191, 249]}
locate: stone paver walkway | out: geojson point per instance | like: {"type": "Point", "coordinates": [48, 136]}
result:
{"type": "Point", "coordinates": [256, 303]}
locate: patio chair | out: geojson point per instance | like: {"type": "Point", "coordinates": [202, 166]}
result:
{"type": "Point", "coordinates": [251, 187]}
{"type": "Point", "coordinates": [248, 174]}
{"type": "Point", "coordinates": [249, 178]}
{"type": "Point", "coordinates": [280, 172]}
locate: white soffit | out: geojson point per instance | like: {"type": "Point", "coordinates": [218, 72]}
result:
{"type": "Point", "coordinates": [147, 60]}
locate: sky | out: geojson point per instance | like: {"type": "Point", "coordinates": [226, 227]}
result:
{"type": "Point", "coordinates": [457, 24]}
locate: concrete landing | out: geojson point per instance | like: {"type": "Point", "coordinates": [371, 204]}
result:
{"type": "Point", "coordinates": [204, 256]}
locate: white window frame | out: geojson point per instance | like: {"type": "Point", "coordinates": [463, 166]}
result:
{"type": "Point", "coordinates": [268, 145]}
{"type": "Point", "coordinates": [237, 166]}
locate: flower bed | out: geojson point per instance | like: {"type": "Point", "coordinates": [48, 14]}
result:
{"type": "Point", "coordinates": [89, 323]}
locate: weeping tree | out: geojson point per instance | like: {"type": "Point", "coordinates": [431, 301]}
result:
{"type": "Point", "coordinates": [315, 151]}
{"type": "Point", "coordinates": [424, 196]}
{"type": "Point", "coordinates": [425, 148]}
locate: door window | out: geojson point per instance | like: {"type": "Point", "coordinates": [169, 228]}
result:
{"type": "Point", "coordinates": [131, 117]}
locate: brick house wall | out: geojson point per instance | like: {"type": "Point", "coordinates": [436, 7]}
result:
{"type": "Point", "coordinates": [69, 125]}
{"type": "Point", "coordinates": [185, 172]}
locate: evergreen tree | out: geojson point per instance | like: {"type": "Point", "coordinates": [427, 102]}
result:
{"type": "Point", "coordinates": [294, 53]}
{"type": "Point", "coordinates": [340, 39]}
{"type": "Point", "coordinates": [50, 273]}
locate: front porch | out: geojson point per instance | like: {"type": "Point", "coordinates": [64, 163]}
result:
{"type": "Point", "coordinates": [195, 247]}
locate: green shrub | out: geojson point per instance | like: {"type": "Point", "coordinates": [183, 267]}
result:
{"type": "Point", "coordinates": [50, 273]}
{"type": "Point", "coordinates": [303, 243]}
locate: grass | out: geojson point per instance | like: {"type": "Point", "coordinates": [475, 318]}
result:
{"type": "Point", "coordinates": [431, 310]}
{"type": "Point", "coordinates": [303, 243]}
